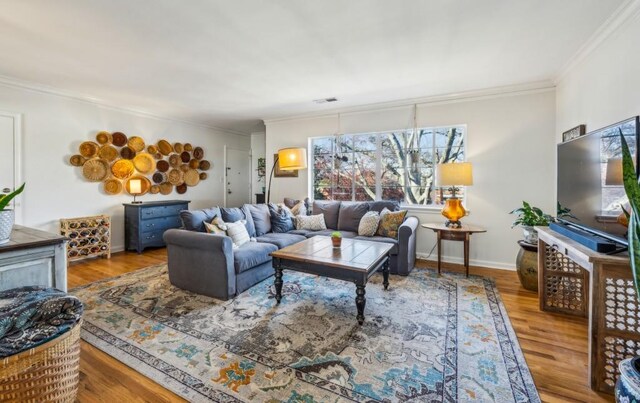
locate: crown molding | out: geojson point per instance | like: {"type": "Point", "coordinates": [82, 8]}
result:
{"type": "Point", "coordinates": [628, 11]}
{"type": "Point", "coordinates": [458, 97]}
{"type": "Point", "coordinates": [12, 82]}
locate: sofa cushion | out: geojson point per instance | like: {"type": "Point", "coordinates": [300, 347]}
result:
{"type": "Point", "coordinates": [193, 220]}
{"type": "Point", "coordinates": [281, 240]}
{"type": "Point", "coordinates": [303, 232]}
{"type": "Point", "coordinates": [311, 222]}
{"type": "Point", "coordinates": [369, 224]}
{"type": "Point", "coordinates": [281, 219]}
{"type": "Point", "coordinates": [237, 231]}
{"type": "Point", "coordinates": [301, 206]}
{"type": "Point", "coordinates": [252, 254]}
{"type": "Point", "coordinates": [328, 232]}
{"type": "Point", "coordinates": [350, 214]}
{"type": "Point", "coordinates": [390, 223]}
{"type": "Point", "coordinates": [379, 205]}
{"type": "Point", "coordinates": [330, 210]}
{"type": "Point", "coordinates": [394, 250]}
{"type": "Point", "coordinates": [233, 214]}
{"type": "Point", "coordinates": [261, 219]}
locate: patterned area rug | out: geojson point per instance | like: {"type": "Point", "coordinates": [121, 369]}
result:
{"type": "Point", "coordinates": [426, 339]}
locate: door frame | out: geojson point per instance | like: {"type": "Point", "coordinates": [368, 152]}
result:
{"type": "Point", "coordinates": [17, 158]}
{"type": "Point", "coordinates": [226, 171]}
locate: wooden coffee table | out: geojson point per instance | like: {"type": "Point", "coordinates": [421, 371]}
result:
{"type": "Point", "coordinates": [355, 261]}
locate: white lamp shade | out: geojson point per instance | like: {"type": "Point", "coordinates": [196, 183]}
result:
{"type": "Point", "coordinates": [614, 172]}
{"type": "Point", "coordinates": [290, 159]}
{"type": "Point", "coordinates": [135, 186]}
{"type": "Point", "coordinates": [454, 174]}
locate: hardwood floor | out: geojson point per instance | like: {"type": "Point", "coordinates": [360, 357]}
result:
{"type": "Point", "coordinates": [555, 346]}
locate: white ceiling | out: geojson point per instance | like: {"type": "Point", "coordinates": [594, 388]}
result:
{"type": "Point", "coordinates": [231, 63]}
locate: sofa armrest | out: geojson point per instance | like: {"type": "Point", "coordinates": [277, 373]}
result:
{"type": "Point", "coordinates": [201, 262]}
{"type": "Point", "coordinates": [407, 245]}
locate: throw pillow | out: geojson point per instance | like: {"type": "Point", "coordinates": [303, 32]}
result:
{"type": "Point", "coordinates": [369, 224]}
{"type": "Point", "coordinates": [217, 226]}
{"type": "Point", "coordinates": [299, 209]}
{"type": "Point", "coordinates": [280, 219]}
{"type": "Point", "coordinates": [238, 233]}
{"type": "Point", "coordinates": [311, 222]}
{"type": "Point", "coordinates": [390, 223]}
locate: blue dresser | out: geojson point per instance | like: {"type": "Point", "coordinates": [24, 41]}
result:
{"type": "Point", "coordinates": [145, 223]}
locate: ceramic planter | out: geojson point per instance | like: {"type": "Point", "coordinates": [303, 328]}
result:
{"type": "Point", "coordinates": [628, 385]}
{"type": "Point", "coordinates": [530, 234]}
{"type": "Point", "coordinates": [527, 265]}
{"type": "Point", "coordinates": [337, 241]}
{"type": "Point", "coordinates": [7, 218]}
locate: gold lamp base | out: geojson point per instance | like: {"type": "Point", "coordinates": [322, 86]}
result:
{"type": "Point", "coordinates": [453, 212]}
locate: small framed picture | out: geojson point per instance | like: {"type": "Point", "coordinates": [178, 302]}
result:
{"type": "Point", "coordinates": [574, 133]}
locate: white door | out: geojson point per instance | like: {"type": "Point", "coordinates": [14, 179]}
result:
{"type": "Point", "coordinates": [9, 127]}
{"type": "Point", "coordinates": [238, 178]}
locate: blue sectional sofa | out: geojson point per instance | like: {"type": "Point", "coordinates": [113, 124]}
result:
{"type": "Point", "coordinates": [208, 264]}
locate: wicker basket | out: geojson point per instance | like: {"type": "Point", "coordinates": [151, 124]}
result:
{"type": "Point", "coordinates": [46, 373]}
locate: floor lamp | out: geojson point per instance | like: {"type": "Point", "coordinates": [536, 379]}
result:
{"type": "Point", "coordinates": [288, 159]}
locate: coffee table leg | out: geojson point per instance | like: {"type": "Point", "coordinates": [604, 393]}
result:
{"type": "Point", "coordinates": [278, 282]}
{"type": "Point", "coordinates": [385, 274]}
{"type": "Point", "coordinates": [360, 302]}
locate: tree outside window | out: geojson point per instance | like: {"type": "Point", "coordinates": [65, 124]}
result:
{"type": "Point", "coordinates": [397, 165]}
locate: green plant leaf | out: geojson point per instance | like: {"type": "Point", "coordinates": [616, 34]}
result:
{"type": "Point", "coordinates": [634, 250]}
{"type": "Point", "coordinates": [6, 199]}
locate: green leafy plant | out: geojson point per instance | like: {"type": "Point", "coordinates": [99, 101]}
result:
{"type": "Point", "coordinates": [530, 216]}
{"type": "Point", "coordinates": [5, 199]}
{"type": "Point", "coordinates": [632, 188]}
{"type": "Point", "coordinates": [336, 234]}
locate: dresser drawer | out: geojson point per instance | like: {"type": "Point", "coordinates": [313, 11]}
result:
{"type": "Point", "coordinates": [161, 211]}
{"type": "Point", "coordinates": [160, 224]}
{"type": "Point", "coordinates": [152, 238]}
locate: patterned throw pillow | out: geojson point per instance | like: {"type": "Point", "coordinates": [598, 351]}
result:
{"type": "Point", "coordinates": [238, 233]}
{"type": "Point", "coordinates": [217, 226]}
{"type": "Point", "coordinates": [390, 222]}
{"type": "Point", "coordinates": [299, 209]}
{"type": "Point", "coordinates": [369, 224]}
{"type": "Point", "coordinates": [311, 222]}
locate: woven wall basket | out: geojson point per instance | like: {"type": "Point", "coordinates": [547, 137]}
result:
{"type": "Point", "coordinates": [46, 373]}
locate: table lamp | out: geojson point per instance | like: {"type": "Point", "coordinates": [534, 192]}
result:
{"type": "Point", "coordinates": [454, 174]}
{"type": "Point", "coordinates": [135, 188]}
{"type": "Point", "coordinates": [288, 159]}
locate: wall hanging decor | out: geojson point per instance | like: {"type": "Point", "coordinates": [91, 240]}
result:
{"type": "Point", "coordinates": [115, 159]}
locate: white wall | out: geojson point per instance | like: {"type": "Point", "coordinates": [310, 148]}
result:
{"type": "Point", "coordinates": [510, 141]}
{"type": "Point", "coordinates": [257, 151]}
{"type": "Point", "coordinates": [53, 127]}
{"type": "Point", "coordinates": [604, 87]}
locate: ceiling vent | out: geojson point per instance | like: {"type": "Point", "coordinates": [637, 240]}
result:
{"type": "Point", "coordinates": [325, 100]}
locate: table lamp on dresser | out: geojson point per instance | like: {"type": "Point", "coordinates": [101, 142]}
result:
{"type": "Point", "coordinates": [454, 174]}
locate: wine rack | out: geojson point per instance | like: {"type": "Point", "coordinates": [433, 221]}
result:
{"type": "Point", "coordinates": [88, 236]}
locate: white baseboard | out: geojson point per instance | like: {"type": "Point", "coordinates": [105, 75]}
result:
{"type": "Point", "coordinates": [472, 262]}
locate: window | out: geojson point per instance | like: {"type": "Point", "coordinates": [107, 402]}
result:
{"type": "Point", "coordinates": [397, 165]}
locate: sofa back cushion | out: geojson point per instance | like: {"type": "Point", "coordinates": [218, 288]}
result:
{"type": "Point", "coordinates": [281, 219]}
{"type": "Point", "coordinates": [261, 219]}
{"type": "Point", "coordinates": [379, 205]}
{"type": "Point", "coordinates": [193, 220]}
{"type": "Point", "coordinates": [289, 202]}
{"type": "Point", "coordinates": [330, 210]}
{"type": "Point", "coordinates": [350, 215]}
{"type": "Point", "coordinates": [233, 214]}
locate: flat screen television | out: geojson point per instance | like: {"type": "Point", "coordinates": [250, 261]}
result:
{"type": "Point", "coordinates": [590, 179]}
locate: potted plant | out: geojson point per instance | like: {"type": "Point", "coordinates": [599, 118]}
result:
{"type": "Point", "coordinates": [7, 216]}
{"type": "Point", "coordinates": [628, 384]}
{"type": "Point", "coordinates": [336, 239]}
{"type": "Point", "coordinates": [528, 217]}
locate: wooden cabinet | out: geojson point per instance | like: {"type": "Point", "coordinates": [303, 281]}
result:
{"type": "Point", "coordinates": [33, 257]}
{"type": "Point", "coordinates": [575, 280]}
{"type": "Point", "coordinates": [145, 223]}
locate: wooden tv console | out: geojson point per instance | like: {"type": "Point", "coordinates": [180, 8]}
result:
{"type": "Point", "coordinates": [575, 280]}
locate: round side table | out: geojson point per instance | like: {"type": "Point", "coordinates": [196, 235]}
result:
{"type": "Point", "coordinates": [454, 234]}
{"type": "Point", "coordinates": [527, 265]}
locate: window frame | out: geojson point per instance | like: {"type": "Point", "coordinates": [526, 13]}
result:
{"type": "Point", "coordinates": [378, 168]}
